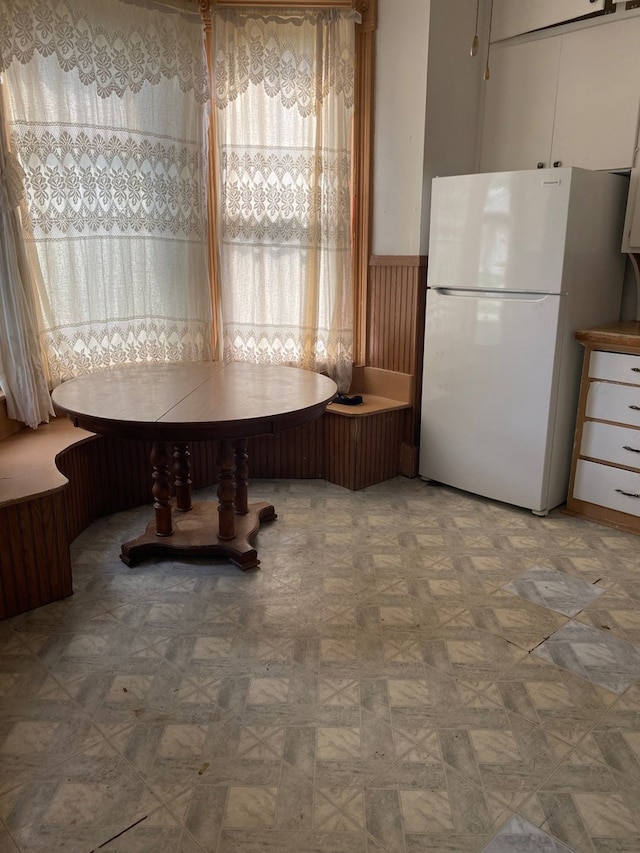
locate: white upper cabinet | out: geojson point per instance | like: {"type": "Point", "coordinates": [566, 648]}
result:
{"type": "Point", "coordinates": [520, 105]}
{"type": "Point", "coordinates": [514, 17]}
{"type": "Point", "coordinates": [598, 96]}
{"type": "Point", "coordinates": [569, 99]}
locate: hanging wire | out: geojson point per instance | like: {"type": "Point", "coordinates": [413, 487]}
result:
{"type": "Point", "coordinates": [487, 73]}
{"type": "Point", "coordinates": [474, 43]}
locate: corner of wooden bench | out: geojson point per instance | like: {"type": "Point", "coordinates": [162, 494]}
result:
{"type": "Point", "coordinates": [28, 457]}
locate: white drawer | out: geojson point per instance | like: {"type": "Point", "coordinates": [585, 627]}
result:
{"type": "Point", "coordinates": [609, 402]}
{"type": "Point", "coordinates": [615, 366]}
{"type": "Point", "coordinates": [616, 444]}
{"type": "Point", "coordinates": [605, 486]}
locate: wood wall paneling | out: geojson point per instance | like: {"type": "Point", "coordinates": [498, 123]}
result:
{"type": "Point", "coordinates": [396, 290]}
{"type": "Point", "coordinates": [380, 442]}
{"type": "Point", "coordinates": [81, 497]}
{"type": "Point", "coordinates": [52, 549]}
{"type": "Point", "coordinates": [35, 566]}
{"type": "Point", "coordinates": [341, 462]}
{"type": "Point", "coordinates": [16, 551]}
{"type": "Point", "coordinates": [124, 472]}
{"type": "Point", "coordinates": [365, 450]}
{"type": "Point", "coordinates": [293, 454]}
{"type": "Point", "coordinates": [397, 294]}
{"type": "Point", "coordinates": [95, 491]}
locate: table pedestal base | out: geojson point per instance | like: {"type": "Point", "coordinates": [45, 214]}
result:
{"type": "Point", "coordinates": [195, 534]}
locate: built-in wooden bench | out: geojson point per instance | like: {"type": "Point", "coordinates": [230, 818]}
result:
{"type": "Point", "coordinates": [35, 566]}
{"type": "Point", "coordinates": [363, 443]}
{"type": "Point", "coordinates": [54, 481]}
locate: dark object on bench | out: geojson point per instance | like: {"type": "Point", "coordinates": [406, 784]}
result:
{"type": "Point", "coordinates": [345, 400]}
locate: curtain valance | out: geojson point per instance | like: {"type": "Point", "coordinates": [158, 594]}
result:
{"type": "Point", "coordinates": [116, 57]}
{"type": "Point", "coordinates": [258, 51]}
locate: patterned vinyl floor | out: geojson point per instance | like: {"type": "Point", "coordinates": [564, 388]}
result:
{"type": "Point", "coordinates": [412, 669]}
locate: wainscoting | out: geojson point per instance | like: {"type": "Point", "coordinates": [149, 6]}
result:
{"type": "Point", "coordinates": [396, 299]}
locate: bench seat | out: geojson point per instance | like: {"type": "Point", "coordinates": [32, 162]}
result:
{"type": "Point", "coordinates": [28, 467]}
{"type": "Point", "coordinates": [54, 481]}
{"type": "Point", "coordinates": [363, 443]}
{"type": "Point", "coordinates": [35, 563]}
{"type": "Point", "coordinates": [371, 405]}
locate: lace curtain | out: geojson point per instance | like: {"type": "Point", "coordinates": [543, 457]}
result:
{"type": "Point", "coordinates": [22, 376]}
{"type": "Point", "coordinates": [106, 110]}
{"type": "Point", "coordinates": [283, 88]}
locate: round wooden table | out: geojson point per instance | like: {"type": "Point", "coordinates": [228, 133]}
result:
{"type": "Point", "coordinates": [180, 403]}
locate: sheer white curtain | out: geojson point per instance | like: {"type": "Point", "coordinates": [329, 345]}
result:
{"type": "Point", "coordinates": [283, 88]}
{"type": "Point", "coordinates": [107, 104]}
{"type": "Point", "coordinates": [22, 377]}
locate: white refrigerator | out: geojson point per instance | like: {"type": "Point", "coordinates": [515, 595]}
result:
{"type": "Point", "coordinates": [517, 262]}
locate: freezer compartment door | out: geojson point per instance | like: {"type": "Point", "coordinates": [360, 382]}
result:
{"type": "Point", "coordinates": [504, 230]}
{"type": "Point", "coordinates": [489, 392]}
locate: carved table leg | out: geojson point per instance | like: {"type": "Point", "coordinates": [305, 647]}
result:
{"type": "Point", "coordinates": [181, 479]}
{"type": "Point", "coordinates": [242, 475]}
{"type": "Point", "coordinates": [161, 489]}
{"type": "Point", "coordinates": [198, 533]}
{"type": "Point", "coordinates": [226, 492]}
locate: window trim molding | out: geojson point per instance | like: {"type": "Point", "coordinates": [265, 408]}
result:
{"type": "Point", "coordinates": [365, 49]}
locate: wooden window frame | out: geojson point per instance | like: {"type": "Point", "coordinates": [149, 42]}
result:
{"type": "Point", "coordinates": [362, 152]}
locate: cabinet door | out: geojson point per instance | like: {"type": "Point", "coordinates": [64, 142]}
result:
{"type": "Point", "coordinates": [598, 94]}
{"type": "Point", "coordinates": [519, 105]}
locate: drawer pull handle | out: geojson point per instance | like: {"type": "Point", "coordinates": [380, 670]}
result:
{"type": "Point", "coordinates": [636, 369]}
{"type": "Point", "coordinates": [635, 408]}
{"type": "Point", "coordinates": [627, 494]}
{"type": "Point", "coordinates": [632, 449]}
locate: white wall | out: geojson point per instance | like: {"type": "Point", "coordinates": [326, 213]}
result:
{"type": "Point", "coordinates": [421, 130]}
{"type": "Point", "coordinates": [454, 97]}
{"type": "Point", "coordinates": [400, 97]}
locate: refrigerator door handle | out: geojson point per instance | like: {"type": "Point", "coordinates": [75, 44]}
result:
{"type": "Point", "coordinates": [477, 293]}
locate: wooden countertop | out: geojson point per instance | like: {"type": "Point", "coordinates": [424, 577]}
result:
{"type": "Point", "coordinates": [622, 336]}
